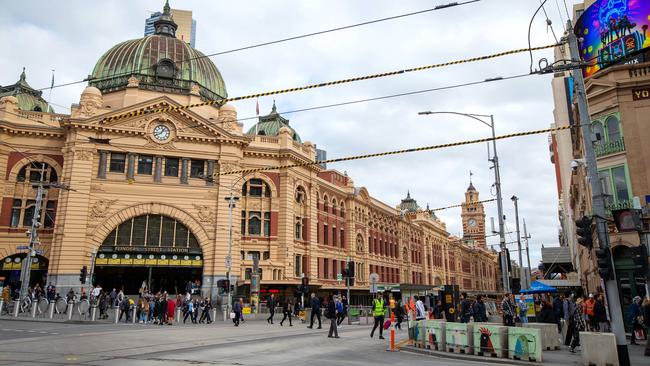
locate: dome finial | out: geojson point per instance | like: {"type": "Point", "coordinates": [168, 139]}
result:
{"type": "Point", "coordinates": [165, 24]}
{"type": "Point", "coordinates": [23, 77]}
{"type": "Point", "coordinates": [274, 109]}
{"type": "Point", "coordinates": [408, 193]}
{"type": "Point", "coordinates": [166, 8]}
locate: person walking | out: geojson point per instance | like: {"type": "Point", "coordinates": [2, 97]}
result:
{"type": "Point", "coordinates": [189, 310]}
{"type": "Point", "coordinates": [162, 309]}
{"type": "Point", "coordinates": [287, 309]}
{"type": "Point", "coordinates": [236, 308]}
{"type": "Point", "coordinates": [399, 314]}
{"type": "Point", "coordinates": [546, 314]}
{"type": "Point", "coordinates": [508, 310]}
{"type": "Point", "coordinates": [568, 307]}
{"type": "Point", "coordinates": [465, 308]}
{"type": "Point", "coordinates": [378, 313]}
{"type": "Point", "coordinates": [522, 306]}
{"type": "Point", "coordinates": [330, 313]}
{"type": "Point", "coordinates": [143, 310]}
{"type": "Point", "coordinates": [558, 312]}
{"type": "Point", "coordinates": [420, 310]}
{"type": "Point", "coordinates": [171, 309]}
{"type": "Point", "coordinates": [635, 317]}
{"type": "Point", "coordinates": [205, 315]}
{"type": "Point", "coordinates": [479, 310]}
{"type": "Point", "coordinates": [315, 311]}
{"type": "Point", "coordinates": [270, 303]}
{"type": "Point", "coordinates": [588, 309]}
{"type": "Point", "coordinates": [343, 305]}
{"type": "Point", "coordinates": [600, 314]}
{"type": "Point", "coordinates": [576, 324]}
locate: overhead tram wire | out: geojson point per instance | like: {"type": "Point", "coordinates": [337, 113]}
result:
{"type": "Point", "coordinates": [549, 23]}
{"type": "Point", "coordinates": [144, 111]}
{"type": "Point", "coordinates": [282, 40]}
{"type": "Point", "coordinates": [396, 152]}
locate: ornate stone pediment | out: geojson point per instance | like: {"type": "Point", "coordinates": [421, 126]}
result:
{"type": "Point", "coordinates": [101, 208]}
{"type": "Point", "coordinates": [205, 213]}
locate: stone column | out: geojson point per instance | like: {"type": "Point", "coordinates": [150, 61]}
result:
{"type": "Point", "coordinates": [210, 174]}
{"type": "Point", "coordinates": [157, 175]}
{"type": "Point", "coordinates": [130, 166]}
{"type": "Point", "coordinates": [184, 170]}
{"type": "Point", "coordinates": [101, 170]}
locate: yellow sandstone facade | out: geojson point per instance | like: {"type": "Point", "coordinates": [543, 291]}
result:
{"type": "Point", "coordinates": [141, 201]}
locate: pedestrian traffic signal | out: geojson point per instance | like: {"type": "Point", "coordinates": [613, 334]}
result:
{"type": "Point", "coordinates": [225, 285]}
{"type": "Point", "coordinates": [350, 269]}
{"type": "Point", "coordinates": [604, 260]}
{"type": "Point", "coordinates": [305, 281]}
{"type": "Point", "coordinates": [82, 274]}
{"type": "Point", "coordinates": [584, 230]}
{"type": "Point", "coordinates": [627, 220]}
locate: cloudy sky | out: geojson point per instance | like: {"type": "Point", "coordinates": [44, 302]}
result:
{"type": "Point", "coordinates": [70, 36]}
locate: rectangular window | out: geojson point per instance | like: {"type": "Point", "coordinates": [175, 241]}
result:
{"type": "Point", "coordinates": [325, 268]}
{"type": "Point", "coordinates": [28, 216]}
{"type": "Point", "coordinates": [145, 164]}
{"type": "Point", "coordinates": [267, 224]}
{"type": "Point", "coordinates": [248, 274]}
{"type": "Point", "coordinates": [325, 235]}
{"type": "Point", "coordinates": [197, 168]}
{"type": "Point", "coordinates": [124, 233]}
{"type": "Point", "coordinates": [171, 167]}
{"type": "Point", "coordinates": [342, 240]}
{"type": "Point", "coordinates": [118, 162]}
{"type": "Point", "coordinates": [167, 233]}
{"type": "Point", "coordinates": [615, 185]}
{"type": "Point", "coordinates": [334, 236]}
{"type": "Point", "coordinates": [620, 183]}
{"type": "Point", "coordinates": [139, 230]}
{"type": "Point", "coordinates": [50, 214]}
{"type": "Point", "coordinates": [266, 255]}
{"type": "Point", "coordinates": [297, 266]}
{"type": "Point", "coordinates": [153, 231]}
{"type": "Point", "coordinates": [15, 213]}
{"type": "Point", "coordinates": [298, 227]}
{"type": "Point", "coordinates": [243, 223]}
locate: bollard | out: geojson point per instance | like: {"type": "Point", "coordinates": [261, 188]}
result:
{"type": "Point", "coordinates": [16, 308]}
{"type": "Point", "coordinates": [133, 316]}
{"type": "Point", "coordinates": [214, 314]}
{"type": "Point", "coordinates": [117, 314]}
{"type": "Point", "coordinates": [392, 332]}
{"type": "Point", "coordinates": [34, 306]}
{"type": "Point", "coordinates": [2, 303]}
{"type": "Point", "coordinates": [69, 310]}
{"type": "Point", "coordinates": [93, 313]}
{"type": "Point", "coordinates": [50, 309]}
{"type": "Point", "coordinates": [177, 318]}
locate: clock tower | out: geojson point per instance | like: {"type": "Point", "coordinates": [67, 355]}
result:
{"type": "Point", "coordinates": [473, 216]}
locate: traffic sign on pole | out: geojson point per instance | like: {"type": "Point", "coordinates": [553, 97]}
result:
{"type": "Point", "coordinates": [339, 277]}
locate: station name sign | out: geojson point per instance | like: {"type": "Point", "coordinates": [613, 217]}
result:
{"type": "Point", "coordinates": [641, 94]}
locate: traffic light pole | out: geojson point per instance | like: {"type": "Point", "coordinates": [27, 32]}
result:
{"type": "Point", "coordinates": [598, 202]}
{"type": "Point", "coordinates": [26, 269]}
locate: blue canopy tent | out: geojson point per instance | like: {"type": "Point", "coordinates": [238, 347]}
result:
{"type": "Point", "coordinates": [538, 288]}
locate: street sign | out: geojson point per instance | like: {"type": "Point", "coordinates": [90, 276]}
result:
{"type": "Point", "coordinates": [339, 277]}
{"type": "Point", "coordinates": [228, 261]}
{"type": "Point", "coordinates": [374, 278]}
{"type": "Point", "coordinates": [22, 247]}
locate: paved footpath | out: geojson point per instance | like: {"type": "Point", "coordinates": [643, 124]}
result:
{"type": "Point", "coordinates": [253, 343]}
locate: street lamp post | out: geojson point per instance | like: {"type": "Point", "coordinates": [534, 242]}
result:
{"type": "Point", "coordinates": [523, 283]}
{"type": "Point", "coordinates": [497, 184]}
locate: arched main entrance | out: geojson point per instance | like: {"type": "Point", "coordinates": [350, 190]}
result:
{"type": "Point", "coordinates": [153, 251]}
{"type": "Point", "coordinates": [10, 270]}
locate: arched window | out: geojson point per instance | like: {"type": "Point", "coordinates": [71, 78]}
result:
{"type": "Point", "coordinates": [255, 223]}
{"type": "Point", "coordinates": [34, 171]}
{"type": "Point", "coordinates": [326, 207]}
{"type": "Point", "coordinates": [256, 188]}
{"type": "Point", "coordinates": [342, 209]}
{"type": "Point", "coordinates": [37, 109]}
{"type": "Point", "coordinates": [599, 132]}
{"type": "Point", "coordinates": [613, 128]}
{"type": "Point", "coordinates": [152, 231]}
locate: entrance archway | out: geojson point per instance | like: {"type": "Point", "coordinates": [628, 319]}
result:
{"type": "Point", "coordinates": [10, 270]}
{"type": "Point", "coordinates": [630, 278]}
{"type": "Point", "coordinates": [153, 251]}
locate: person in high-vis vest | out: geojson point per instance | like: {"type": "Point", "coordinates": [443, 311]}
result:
{"type": "Point", "coordinates": [378, 313]}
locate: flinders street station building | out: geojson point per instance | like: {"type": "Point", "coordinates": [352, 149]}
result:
{"type": "Point", "coordinates": [133, 199]}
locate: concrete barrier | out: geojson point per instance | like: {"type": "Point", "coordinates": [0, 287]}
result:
{"type": "Point", "coordinates": [436, 335]}
{"type": "Point", "coordinates": [598, 349]}
{"type": "Point", "coordinates": [525, 344]}
{"type": "Point", "coordinates": [550, 336]}
{"type": "Point", "coordinates": [458, 337]}
{"type": "Point", "coordinates": [490, 340]}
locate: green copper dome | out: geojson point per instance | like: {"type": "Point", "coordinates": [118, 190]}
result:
{"type": "Point", "coordinates": [270, 125]}
{"type": "Point", "coordinates": [29, 99]}
{"type": "Point", "coordinates": [408, 204]}
{"type": "Point", "coordinates": [160, 62]}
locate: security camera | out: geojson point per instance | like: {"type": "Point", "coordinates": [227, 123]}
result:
{"type": "Point", "coordinates": [575, 163]}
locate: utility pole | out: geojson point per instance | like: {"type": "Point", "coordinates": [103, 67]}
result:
{"type": "Point", "coordinates": [26, 269]}
{"type": "Point", "coordinates": [597, 200]}
{"type": "Point", "coordinates": [231, 205]}
{"type": "Point", "coordinates": [526, 236]}
{"type": "Point", "coordinates": [522, 270]}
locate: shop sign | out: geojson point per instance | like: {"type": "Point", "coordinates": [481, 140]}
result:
{"type": "Point", "coordinates": [641, 94]}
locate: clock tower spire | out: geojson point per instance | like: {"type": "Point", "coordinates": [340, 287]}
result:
{"type": "Point", "coordinates": [473, 216]}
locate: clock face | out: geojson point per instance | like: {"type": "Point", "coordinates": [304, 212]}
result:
{"type": "Point", "coordinates": [161, 132]}
{"type": "Point", "coordinates": [472, 223]}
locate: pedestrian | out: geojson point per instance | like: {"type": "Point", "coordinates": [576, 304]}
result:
{"type": "Point", "coordinates": [479, 310]}
{"type": "Point", "coordinates": [522, 306]}
{"type": "Point", "coordinates": [399, 314]}
{"type": "Point", "coordinates": [103, 303]}
{"type": "Point", "coordinates": [113, 297]}
{"type": "Point", "coordinates": [270, 303]}
{"type": "Point", "coordinates": [120, 296]}
{"type": "Point", "coordinates": [124, 309]}
{"type": "Point", "coordinates": [508, 310]}
{"type": "Point", "coordinates": [162, 309]}
{"type": "Point", "coordinates": [635, 317]}
{"type": "Point", "coordinates": [343, 305]}
{"type": "Point", "coordinates": [195, 313]}
{"type": "Point", "coordinates": [546, 314]}
{"type": "Point", "coordinates": [71, 296]}
{"type": "Point", "coordinates": [420, 310]}
{"type": "Point", "coordinates": [286, 312]}
{"type": "Point", "coordinates": [241, 313]}
{"type": "Point", "coordinates": [600, 314]}
{"type": "Point", "coordinates": [170, 310]}
{"type": "Point", "coordinates": [437, 310]}
{"type": "Point", "coordinates": [465, 308]}
{"type": "Point", "coordinates": [205, 316]}
{"type": "Point", "coordinates": [152, 308]}
{"type": "Point", "coordinates": [330, 313]}
{"type": "Point", "coordinates": [558, 312]}
{"type": "Point", "coordinates": [568, 307]}
{"type": "Point", "coordinates": [588, 309]}
{"type": "Point", "coordinates": [143, 309]}
{"type": "Point", "coordinates": [236, 308]}
{"type": "Point", "coordinates": [189, 310]}
{"type": "Point", "coordinates": [378, 313]}
{"type": "Point", "coordinates": [94, 294]}
{"type": "Point", "coordinates": [315, 311]}
{"type": "Point", "coordinates": [576, 324]}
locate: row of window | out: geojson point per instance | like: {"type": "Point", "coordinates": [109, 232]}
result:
{"type": "Point", "coordinates": [301, 265]}
{"type": "Point", "coordinates": [152, 231]}
{"type": "Point", "coordinates": [330, 268]}
{"type": "Point", "coordinates": [417, 278]}
{"type": "Point", "coordinates": [22, 213]}
{"type": "Point", "coordinates": [326, 207]}
{"type": "Point", "coordinates": [333, 237]}
{"type": "Point", "coordinates": [382, 247]}
{"type": "Point", "coordinates": [416, 256]}
{"type": "Point", "coordinates": [386, 274]}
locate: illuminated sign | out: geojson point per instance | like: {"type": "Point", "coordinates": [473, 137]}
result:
{"type": "Point", "coordinates": [610, 31]}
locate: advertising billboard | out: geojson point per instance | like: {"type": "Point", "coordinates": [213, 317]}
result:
{"type": "Point", "coordinates": [610, 31]}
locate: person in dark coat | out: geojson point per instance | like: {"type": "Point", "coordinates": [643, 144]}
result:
{"type": "Point", "coordinates": [399, 314]}
{"type": "Point", "coordinates": [162, 309]}
{"type": "Point", "coordinates": [236, 308]}
{"type": "Point", "coordinates": [465, 308]}
{"type": "Point", "coordinates": [271, 303]}
{"type": "Point", "coordinates": [479, 310]}
{"type": "Point", "coordinates": [330, 314]}
{"type": "Point", "coordinates": [315, 311]}
{"type": "Point", "coordinates": [600, 314]}
{"type": "Point", "coordinates": [546, 314]}
{"type": "Point", "coordinates": [286, 311]}
{"type": "Point", "coordinates": [558, 312]}
{"type": "Point", "coordinates": [634, 315]}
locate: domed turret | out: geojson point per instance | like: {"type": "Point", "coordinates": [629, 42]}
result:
{"type": "Point", "coordinates": [159, 62]}
{"type": "Point", "coordinates": [28, 98]}
{"type": "Point", "coordinates": [408, 204]}
{"type": "Point", "coordinates": [271, 124]}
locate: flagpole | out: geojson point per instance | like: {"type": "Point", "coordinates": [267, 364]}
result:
{"type": "Point", "coordinates": [49, 97]}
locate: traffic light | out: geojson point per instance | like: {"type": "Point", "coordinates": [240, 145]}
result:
{"type": "Point", "coordinates": [82, 274]}
{"type": "Point", "coordinates": [583, 231]}
{"type": "Point", "coordinates": [627, 220]}
{"type": "Point", "coordinates": [305, 281]}
{"type": "Point", "coordinates": [350, 269]}
{"type": "Point", "coordinates": [225, 285]}
{"type": "Point", "coordinates": [604, 260]}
